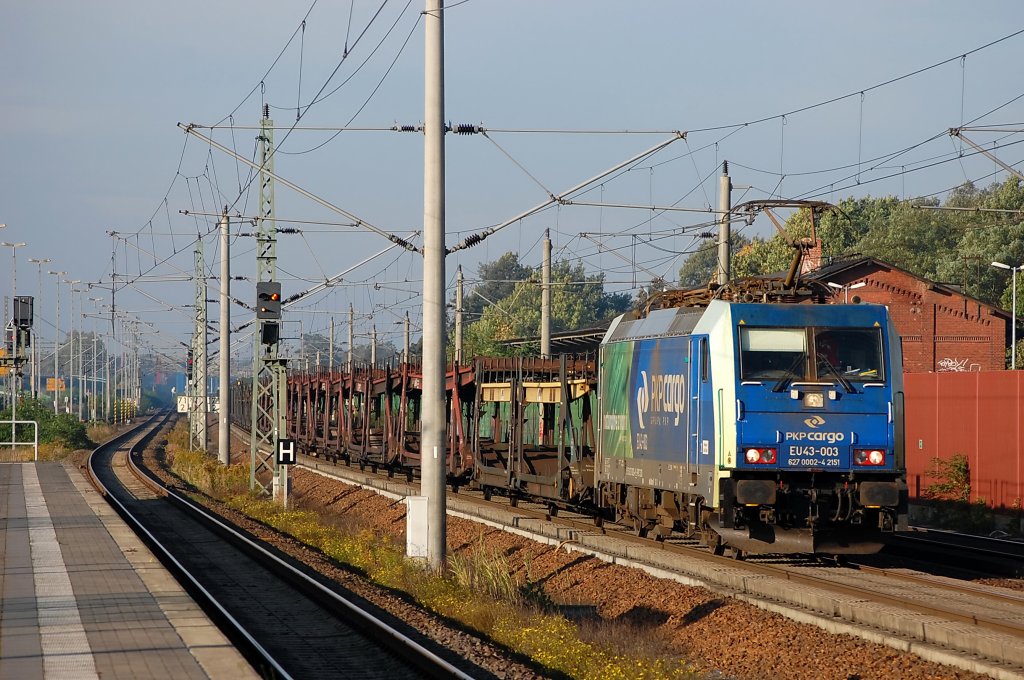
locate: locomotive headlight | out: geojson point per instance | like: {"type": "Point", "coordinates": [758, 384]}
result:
{"type": "Point", "coordinates": [761, 456]}
{"type": "Point", "coordinates": [869, 457]}
{"type": "Point", "coordinates": [814, 400]}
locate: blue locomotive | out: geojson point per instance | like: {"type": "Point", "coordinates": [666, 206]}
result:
{"type": "Point", "coordinates": [763, 428]}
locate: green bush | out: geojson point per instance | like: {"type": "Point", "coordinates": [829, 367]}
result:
{"type": "Point", "coordinates": [63, 429]}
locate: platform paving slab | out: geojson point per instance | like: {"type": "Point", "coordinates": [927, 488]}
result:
{"type": "Point", "coordinates": [82, 597]}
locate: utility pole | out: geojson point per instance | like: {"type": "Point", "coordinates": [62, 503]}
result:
{"type": "Point", "coordinates": [330, 349]}
{"type": "Point", "coordinates": [37, 369]}
{"type": "Point", "coordinates": [268, 373]}
{"type": "Point", "coordinates": [405, 345]}
{"type": "Point", "coordinates": [107, 415]}
{"type": "Point", "coordinates": [373, 347]}
{"type": "Point", "coordinates": [137, 374]}
{"type": "Point", "coordinates": [198, 406]}
{"type": "Point", "coordinates": [724, 224]}
{"type": "Point", "coordinates": [433, 447]}
{"type": "Point", "coordinates": [351, 334]}
{"type": "Point", "coordinates": [56, 345]}
{"type": "Point", "coordinates": [545, 298]}
{"type": "Point", "coordinates": [458, 315]}
{"type": "Point", "coordinates": [224, 359]}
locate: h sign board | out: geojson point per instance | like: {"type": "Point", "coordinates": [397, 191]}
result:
{"type": "Point", "coordinates": [286, 452]}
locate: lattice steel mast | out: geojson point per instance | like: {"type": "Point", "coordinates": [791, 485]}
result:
{"type": "Point", "coordinates": [268, 374]}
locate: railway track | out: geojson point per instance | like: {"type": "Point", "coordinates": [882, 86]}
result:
{"type": "Point", "coordinates": [971, 554]}
{"type": "Point", "coordinates": [288, 623]}
{"type": "Point", "coordinates": [903, 608]}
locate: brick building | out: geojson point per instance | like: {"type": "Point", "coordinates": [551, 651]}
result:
{"type": "Point", "coordinates": [942, 329]}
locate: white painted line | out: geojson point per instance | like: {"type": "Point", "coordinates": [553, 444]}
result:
{"type": "Point", "coordinates": [66, 651]}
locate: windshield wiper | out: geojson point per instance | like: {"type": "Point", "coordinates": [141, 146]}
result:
{"type": "Point", "coordinates": [790, 374]}
{"type": "Point", "coordinates": [847, 385]}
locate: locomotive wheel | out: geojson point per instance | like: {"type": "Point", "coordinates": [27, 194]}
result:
{"type": "Point", "coordinates": [487, 493]}
{"type": "Point", "coordinates": [513, 501]}
{"type": "Point", "coordinates": [408, 475]}
{"type": "Point", "coordinates": [552, 510]}
{"type": "Point", "coordinates": [737, 554]}
{"type": "Point", "coordinates": [362, 465]}
{"type": "Point", "coordinates": [599, 520]}
{"type": "Point", "coordinates": [391, 472]}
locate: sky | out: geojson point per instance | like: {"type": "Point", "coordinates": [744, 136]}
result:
{"type": "Point", "coordinates": [792, 94]}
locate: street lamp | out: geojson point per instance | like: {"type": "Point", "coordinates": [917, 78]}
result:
{"type": "Point", "coordinates": [37, 355]}
{"type": "Point", "coordinates": [1013, 329]}
{"type": "Point", "coordinates": [846, 288]}
{"type": "Point", "coordinates": [56, 344]}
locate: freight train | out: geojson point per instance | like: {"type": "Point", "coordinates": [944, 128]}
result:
{"type": "Point", "coordinates": [758, 427]}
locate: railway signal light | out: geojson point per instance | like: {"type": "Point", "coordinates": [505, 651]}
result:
{"type": "Point", "coordinates": [268, 300]}
{"type": "Point", "coordinates": [188, 366]}
{"type": "Point", "coordinates": [269, 332]}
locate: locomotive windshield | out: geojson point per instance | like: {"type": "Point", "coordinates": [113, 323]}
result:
{"type": "Point", "coordinates": [825, 354]}
{"type": "Point", "coordinates": [853, 353]}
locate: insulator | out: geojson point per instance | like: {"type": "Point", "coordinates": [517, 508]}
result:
{"type": "Point", "coordinates": [266, 110]}
{"type": "Point", "coordinates": [706, 234]}
{"type": "Point", "coordinates": [466, 129]}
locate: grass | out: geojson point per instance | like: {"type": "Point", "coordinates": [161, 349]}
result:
{"type": "Point", "coordinates": [478, 590]}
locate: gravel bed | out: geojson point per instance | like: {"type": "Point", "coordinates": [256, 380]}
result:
{"type": "Point", "coordinates": [720, 636]}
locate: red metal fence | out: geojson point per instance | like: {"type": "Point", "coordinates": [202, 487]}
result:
{"type": "Point", "coordinates": [978, 414]}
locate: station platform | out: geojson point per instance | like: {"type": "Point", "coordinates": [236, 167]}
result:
{"type": "Point", "coordinates": [82, 597]}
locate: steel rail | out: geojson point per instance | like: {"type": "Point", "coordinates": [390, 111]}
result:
{"type": "Point", "coordinates": [428, 661]}
{"type": "Point", "coordinates": [166, 556]}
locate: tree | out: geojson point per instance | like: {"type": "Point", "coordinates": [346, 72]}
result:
{"type": "Point", "coordinates": [497, 280]}
{"type": "Point", "coordinates": [577, 301]}
{"type": "Point", "coordinates": [702, 265]}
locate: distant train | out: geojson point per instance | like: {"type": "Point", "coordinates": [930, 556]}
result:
{"type": "Point", "coordinates": [756, 426]}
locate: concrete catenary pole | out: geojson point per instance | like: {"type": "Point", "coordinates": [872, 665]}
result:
{"type": "Point", "coordinates": [37, 354]}
{"type": "Point", "coordinates": [56, 345]}
{"type": "Point", "coordinates": [459, 282]}
{"type": "Point", "coordinates": [330, 350]}
{"type": "Point", "coordinates": [724, 225]}
{"type": "Point", "coordinates": [224, 359]}
{"type": "Point", "coordinates": [433, 449]}
{"type": "Point", "coordinates": [351, 335]}
{"type": "Point", "coordinates": [545, 298]}
{"type": "Point", "coordinates": [405, 341]}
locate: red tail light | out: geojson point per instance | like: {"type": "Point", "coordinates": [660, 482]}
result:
{"type": "Point", "coordinates": [869, 457]}
{"type": "Point", "coordinates": [760, 456]}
